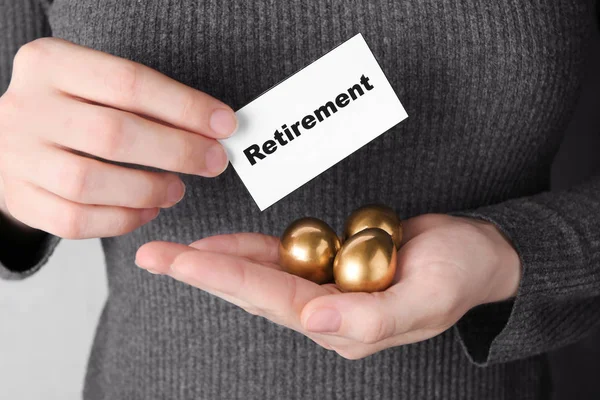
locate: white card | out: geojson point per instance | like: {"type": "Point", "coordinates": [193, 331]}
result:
{"type": "Point", "coordinates": [311, 121]}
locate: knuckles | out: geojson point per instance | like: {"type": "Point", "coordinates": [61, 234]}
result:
{"type": "Point", "coordinates": [375, 331]}
{"type": "Point", "coordinates": [10, 104]}
{"type": "Point", "coordinates": [29, 57]}
{"type": "Point", "coordinates": [291, 283]}
{"type": "Point", "coordinates": [68, 223]}
{"type": "Point", "coordinates": [150, 190]}
{"type": "Point", "coordinates": [193, 110]}
{"type": "Point", "coordinates": [11, 112]}
{"type": "Point", "coordinates": [31, 54]}
{"type": "Point", "coordinates": [123, 82]}
{"type": "Point", "coordinates": [105, 130]}
{"type": "Point", "coordinates": [74, 178]}
{"type": "Point", "coordinates": [189, 109]}
{"type": "Point", "coordinates": [60, 220]}
{"type": "Point", "coordinates": [184, 156]}
{"type": "Point", "coordinates": [377, 326]}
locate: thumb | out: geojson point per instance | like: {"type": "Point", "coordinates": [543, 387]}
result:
{"type": "Point", "coordinates": [364, 317]}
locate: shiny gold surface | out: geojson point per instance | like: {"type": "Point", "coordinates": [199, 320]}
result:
{"type": "Point", "coordinates": [374, 216]}
{"type": "Point", "coordinates": [307, 249]}
{"type": "Point", "coordinates": [366, 262]}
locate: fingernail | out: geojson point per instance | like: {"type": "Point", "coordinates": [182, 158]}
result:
{"type": "Point", "coordinates": [223, 122]}
{"type": "Point", "coordinates": [153, 272]}
{"type": "Point", "coordinates": [175, 192]}
{"type": "Point", "coordinates": [324, 321]}
{"type": "Point", "coordinates": [149, 265]}
{"type": "Point", "coordinates": [149, 214]}
{"type": "Point", "coordinates": [216, 159]}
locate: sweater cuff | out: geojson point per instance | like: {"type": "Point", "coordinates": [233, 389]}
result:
{"type": "Point", "coordinates": [555, 303]}
{"type": "Point", "coordinates": [21, 255]}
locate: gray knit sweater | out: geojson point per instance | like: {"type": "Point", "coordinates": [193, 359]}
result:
{"type": "Point", "coordinates": [489, 86]}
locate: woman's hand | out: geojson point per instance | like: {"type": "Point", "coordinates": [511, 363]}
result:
{"type": "Point", "coordinates": [446, 266]}
{"type": "Point", "coordinates": [69, 108]}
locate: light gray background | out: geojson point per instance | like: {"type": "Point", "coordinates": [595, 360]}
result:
{"type": "Point", "coordinates": [47, 324]}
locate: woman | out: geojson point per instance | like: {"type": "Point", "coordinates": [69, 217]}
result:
{"type": "Point", "coordinates": [116, 118]}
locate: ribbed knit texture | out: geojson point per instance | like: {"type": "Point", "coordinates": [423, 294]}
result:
{"type": "Point", "coordinates": [489, 87]}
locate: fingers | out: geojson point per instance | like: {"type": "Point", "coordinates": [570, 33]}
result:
{"type": "Point", "coordinates": [257, 247]}
{"type": "Point", "coordinates": [415, 226]}
{"type": "Point", "coordinates": [48, 212]}
{"type": "Point", "coordinates": [108, 108]}
{"type": "Point", "coordinates": [126, 85]}
{"type": "Point", "coordinates": [158, 256]}
{"type": "Point", "coordinates": [125, 137]}
{"type": "Point", "coordinates": [88, 181]}
{"type": "Point", "coordinates": [271, 293]}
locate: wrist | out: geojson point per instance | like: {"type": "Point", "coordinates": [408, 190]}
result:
{"type": "Point", "coordinates": [506, 266]}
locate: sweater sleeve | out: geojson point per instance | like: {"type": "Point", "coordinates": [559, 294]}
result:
{"type": "Point", "coordinates": [557, 237]}
{"type": "Point", "coordinates": [21, 21]}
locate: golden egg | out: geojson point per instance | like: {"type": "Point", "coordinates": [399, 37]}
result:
{"type": "Point", "coordinates": [374, 216]}
{"type": "Point", "coordinates": [366, 262]}
{"type": "Point", "coordinates": [307, 249]}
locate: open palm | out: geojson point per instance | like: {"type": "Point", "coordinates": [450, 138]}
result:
{"type": "Point", "coordinates": [446, 266]}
